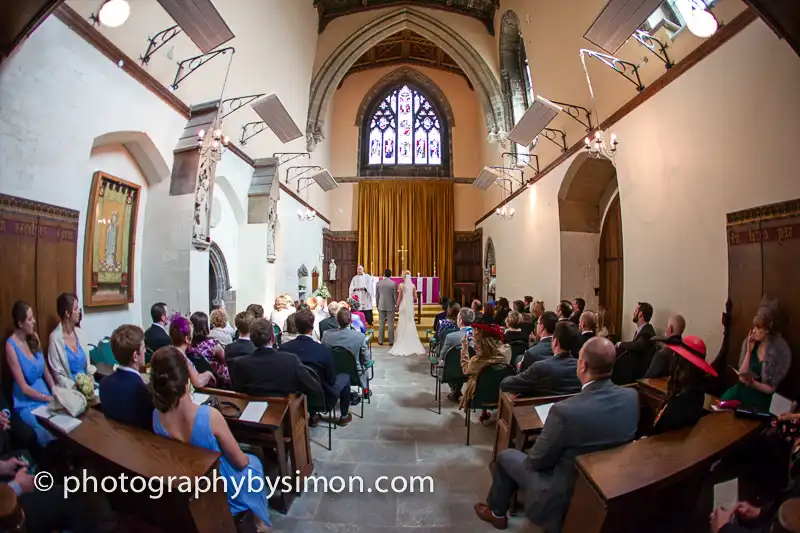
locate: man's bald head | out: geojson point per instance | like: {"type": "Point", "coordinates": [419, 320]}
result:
{"type": "Point", "coordinates": [676, 325]}
{"type": "Point", "coordinates": [596, 359]}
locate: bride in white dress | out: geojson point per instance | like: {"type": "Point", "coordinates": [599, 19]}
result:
{"type": "Point", "coordinates": [406, 340]}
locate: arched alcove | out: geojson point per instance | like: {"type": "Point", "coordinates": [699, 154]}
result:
{"type": "Point", "coordinates": [219, 281]}
{"type": "Point", "coordinates": [419, 130]}
{"type": "Point", "coordinates": [588, 187]}
{"type": "Point", "coordinates": [330, 75]}
{"type": "Point", "coordinates": [142, 149]}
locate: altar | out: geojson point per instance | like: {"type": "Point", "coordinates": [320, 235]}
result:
{"type": "Point", "coordinates": [430, 287]}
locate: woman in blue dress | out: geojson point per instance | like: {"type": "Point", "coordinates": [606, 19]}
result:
{"type": "Point", "coordinates": [177, 417]}
{"type": "Point", "coordinates": [33, 383]}
{"type": "Point", "coordinates": [67, 351]}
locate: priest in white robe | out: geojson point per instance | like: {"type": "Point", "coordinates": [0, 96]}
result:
{"type": "Point", "coordinates": [363, 286]}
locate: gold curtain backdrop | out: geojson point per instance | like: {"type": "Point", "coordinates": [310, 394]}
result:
{"type": "Point", "coordinates": [415, 215]}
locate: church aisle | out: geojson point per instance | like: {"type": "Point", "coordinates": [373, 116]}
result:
{"type": "Point", "coordinates": [400, 435]}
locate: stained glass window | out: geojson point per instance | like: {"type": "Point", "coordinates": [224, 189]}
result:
{"type": "Point", "coordinates": [405, 130]}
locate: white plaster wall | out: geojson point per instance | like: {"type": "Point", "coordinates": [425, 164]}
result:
{"type": "Point", "coordinates": [299, 242]}
{"type": "Point", "coordinates": [686, 158]}
{"type": "Point", "coordinates": [579, 267]}
{"type": "Point", "coordinates": [57, 94]}
{"type": "Point", "coordinates": [226, 235]}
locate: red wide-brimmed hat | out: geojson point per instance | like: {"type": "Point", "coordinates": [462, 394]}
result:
{"type": "Point", "coordinates": [492, 330]}
{"type": "Point", "coordinates": [693, 349]}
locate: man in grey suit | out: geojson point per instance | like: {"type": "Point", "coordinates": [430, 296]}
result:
{"type": "Point", "coordinates": [386, 295]}
{"type": "Point", "coordinates": [544, 348]}
{"type": "Point", "coordinates": [553, 376]}
{"type": "Point", "coordinates": [466, 317]}
{"type": "Point", "coordinates": [350, 339]}
{"type": "Point", "coordinates": [601, 416]}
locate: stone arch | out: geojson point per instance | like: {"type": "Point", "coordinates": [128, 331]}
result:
{"type": "Point", "coordinates": [230, 194]}
{"type": "Point", "coordinates": [219, 281]}
{"type": "Point", "coordinates": [513, 68]}
{"type": "Point", "coordinates": [142, 149]}
{"type": "Point", "coordinates": [415, 80]}
{"type": "Point", "coordinates": [327, 79]}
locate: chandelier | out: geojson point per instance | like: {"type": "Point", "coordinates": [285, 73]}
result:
{"type": "Point", "coordinates": [306, 214]}
{"type": "Point", "coordinates": [213, 145]}
{"type": "Point", "coordinates": [505, 214]}
{"type": "Point", "coordinates": [598, 147]}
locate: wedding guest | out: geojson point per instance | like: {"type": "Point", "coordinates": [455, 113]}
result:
{"type": "Point", "coordinates": [257, 310]}
{"type": "Point", "coordinates": [543, 349]}
{"type": "Point", "coordinates": [764, 361]}
{"type": "Point", "coordinates": [537, 310]}
{"type": "Point", "coordinates": [466, 317]}
{"type": "Point", "coordinates": [320, 314]}
{"type": "Point", "coordinates": [476, 307]}
{"type": "Point", "coordinates": [605, 326]}
{"type": "Point", "coordinates": [662, 359]}
{"type": "Point", "coordinates": [444, 301]}
{"type": "Point", "coordinates": [450, 319]}
{"type": "Point", "coordinates": [489, 350]}
{"type": "Point", "coordinates": [177, 417]}
{"type": "Point", "coordinates": [281, 312]}
{"type": "Point", "coordinates": [357, 321]}
{"type": "Point", "coordinates": [587, 325]}
{"type": "Point", "coordinates": [68, 353]}
{"type": "Point", "coordinates": [564, 310]}
{"type": "Point", "coordinates": [487, 316]}
{"type": "Point", "coordinates": [242, 345]}
{"type": "Point", "coordinates": [124, 395]}
{"type": "Point", "coordinates": [501, 311]}
{"type": "Point", "coordinates": [518, 306]}
{"type": "Point", "coordinates": [330, 322]}
{"type": "Point", "coordinates": [290, 333]}
{"type": "Point", "coordinates": [578, 305]}
{"type": "Point", "coordinates": [227, 328]}
{"type": "Point", "coordinates": [528, 304]}
{"type": "Point", "coordinates": [180, 333]}
{"type": "Point", "coordinates": [209, 349]}
{"type": "Point", "coordinates": [157, 335]}
{"type": "Point", "coordinates": [219, 324]}
{"type": "Point", "coordinates": [33, 383]}
{"type": "Point", "coordinates": [513, 331]}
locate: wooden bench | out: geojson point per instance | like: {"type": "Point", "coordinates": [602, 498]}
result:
{"type": "Point", "coordinates": [283, 427]}
{"type": "Point", "coordinates": [651, 480]}
{"type": "Point", "coordinates": [111, 449]}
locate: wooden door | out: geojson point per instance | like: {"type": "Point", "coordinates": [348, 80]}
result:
{"type": "Point", "coordinates": [611, 271]}
{"type": "Point", "coordinates": [56, 253]}
{"type": "Point", "coordinates": [342, 247]}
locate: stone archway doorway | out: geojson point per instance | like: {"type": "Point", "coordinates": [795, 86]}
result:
{"type": "Point", "coordinates": [219, 281]}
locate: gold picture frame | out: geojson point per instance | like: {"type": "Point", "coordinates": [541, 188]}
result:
{"type": "Point", "coordinates": [110, 243]}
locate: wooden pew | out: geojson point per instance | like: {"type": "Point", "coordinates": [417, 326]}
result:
{"type": "Point", "coordinates": [112, 448]}
{"type": "Point", "coordinates": [625, 489]}
{"type": "Point", "coordinates": [283, 426]}
{"type": "Point", "coordinates": [12, 519]}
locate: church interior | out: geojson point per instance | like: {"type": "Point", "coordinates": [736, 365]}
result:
{"type": "Point", "coordinates": [577, 222]}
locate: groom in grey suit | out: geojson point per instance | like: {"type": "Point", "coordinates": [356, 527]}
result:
{"type": "Point", "coordinates": [386, 295]}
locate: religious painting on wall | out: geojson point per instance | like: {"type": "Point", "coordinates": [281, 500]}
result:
{"type": "Point", "coordinates": [110, 241]}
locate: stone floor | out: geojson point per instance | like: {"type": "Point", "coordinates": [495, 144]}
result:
{"type": "Point", "coordinates": [400, 435]}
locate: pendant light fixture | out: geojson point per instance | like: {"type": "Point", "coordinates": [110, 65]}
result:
{"type": "Point", "coordinates": [114, 13]}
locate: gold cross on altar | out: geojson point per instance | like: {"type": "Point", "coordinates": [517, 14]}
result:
{"type": "Point", "coordinates": [403, 251]}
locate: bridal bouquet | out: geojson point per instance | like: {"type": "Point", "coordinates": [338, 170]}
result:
{"type": "Point", "coordinates": [84, 384]}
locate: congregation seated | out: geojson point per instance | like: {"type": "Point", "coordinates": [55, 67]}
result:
{"type": "Point", "coordinates": [350, 339]}
{"type": "Point", "coordinates": [227, 327]}
{"type": "Point", "coordinates": [359, 318]}
{"type": "Point", "coordinates": [587, 326]}
{"type": "Point", "coordinates": [477, 308]}
{"type": "Point", "coordinates": [578, 305]}
{"type": "Point", "coordinates": [487, 314]}
{"type": "Point", "coordinates": [489, 350]}
{"type": "Point", "coordinates": [553, 376]}
{"type": "Point", "coordinates": [315, 305]}
{"type": "Point", "coordinates": [513, 331]}
{"type": "Point", "coordinates": [684, 403]}
{"type": "Point", "coordinates": [320, 358]}
{"type": "Point", "coordinates": [281, 311]}
{"type": "Point", "coordinates": [124, 395]}
{"type": "Point", "coordinates": [256, 309]}
{"type": "Point", "coordinates": [204, 346]}
{"type": "Point", "coordinates": [523, 306]}
{"type": "Point", "coordinates": [444, 301]}
{"type": "Point", "coordinates": [564, 310]}
{"type": "Point", "coordinates": [356, 321]}
{"type": "Point", "coordinates": [502, 309]}
{"type": "Point", "coordinates": [290, 333]}
{"type": "Point", "coordinates": [464, 321]}
{"type": "Point", "coordinates": [242, 345]}
{"type": "Point", "coordinates": [601, 416]}
{"type": "Point", "coordinates": [662, 359]}
{"type": "Point", "coordinates": [634, 357]}
{"type": "Point", "coordinates": [177, 417]}
{"type": "Point", "coordinates": [269, 372]}
{"type": "Point", "coordinates": [330, 322]}
{"type": "Point", "coordinates": [450, 318]}
{"type": "Point", "coordinates": [180, 333]}
{"type": "Point", "coordinates": [764, 361]}
{"type": "Point", "coordinates": [67, 352]}
{"type": "Point", "coordinates": [605, 324]}
{"type": "Point", "coordinates": [537, 310]}
{"type": "Point", "coordinates": [33, 383]}
{"type": "Point", "coordinates": [157, 335]}
{"type": "Point", "coordinates": [219, 328]}
{"type": "Point", "coordinates": [544, 348]}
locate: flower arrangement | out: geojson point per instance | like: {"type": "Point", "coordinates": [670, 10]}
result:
{"type": "Point", "coordinates": [354, 304]}
{"type": "Point", "coordinates": [323, 292]}
{"type": "Point", "coordinates": [84, 384]}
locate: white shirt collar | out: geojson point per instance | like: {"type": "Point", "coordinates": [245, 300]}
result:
{"type": "Point", "coordinates": [162, 326]}
{"type": "Point", "coordinates": [129, 369]}
{"type": "Point", "coordinates": [587, 384]}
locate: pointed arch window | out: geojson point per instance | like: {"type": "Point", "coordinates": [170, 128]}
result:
{"type": "Point", "coordinates": [405, 136]}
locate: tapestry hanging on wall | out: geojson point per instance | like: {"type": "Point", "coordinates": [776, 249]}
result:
{"type": "Point", "coordinates": [110, 241]}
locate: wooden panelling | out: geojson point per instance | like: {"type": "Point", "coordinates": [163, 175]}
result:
{"type": "Point", "coordinates": [467, 260]}
{"type": "Point", "coordinates": [18, 19]}
{"type": "Point", "coordinates": [611, 271]}
{"type": "Point", "coordinates": [342, 247]}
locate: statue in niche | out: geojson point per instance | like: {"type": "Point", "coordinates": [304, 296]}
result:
{"type": "Point", "coordinates": [202, 204]}
{"type": "Point", "coordinates": [314, 136]}
{"type": "Point", "coordinates": [272, 229]}
{"type": "Point", "coordinates": [315, 279]}
{"type": "Point", "coordinates": [302, 280]}
{"type": "Point", "coordinates": [332, 271]}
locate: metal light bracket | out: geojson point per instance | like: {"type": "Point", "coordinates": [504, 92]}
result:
{"type": "Point", "coordinates": [157, 41]}
{"type": "Point", "coordinates": [305, 170]}
{"type": "Point", "coordinates": [510, 177]}
{"type": "Point", "coordinates": [289, 156]}
{"type": "Point", "coordinates": [552, 134]}
{"type": "Point", "coordinates": [194, 63]}
{"type": "Point", "coordinates": [235, 104]}
{"type": "Point", "coordinates": [518, 158]}
{"type": "Point", "coordinates": [256, 127]}
{"type": "Point", "coordinates": [574, 111]}
{"type": "Point", "coordinates": [658, 48]}
{"type": "Point", "coordinates": [626, 69]}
